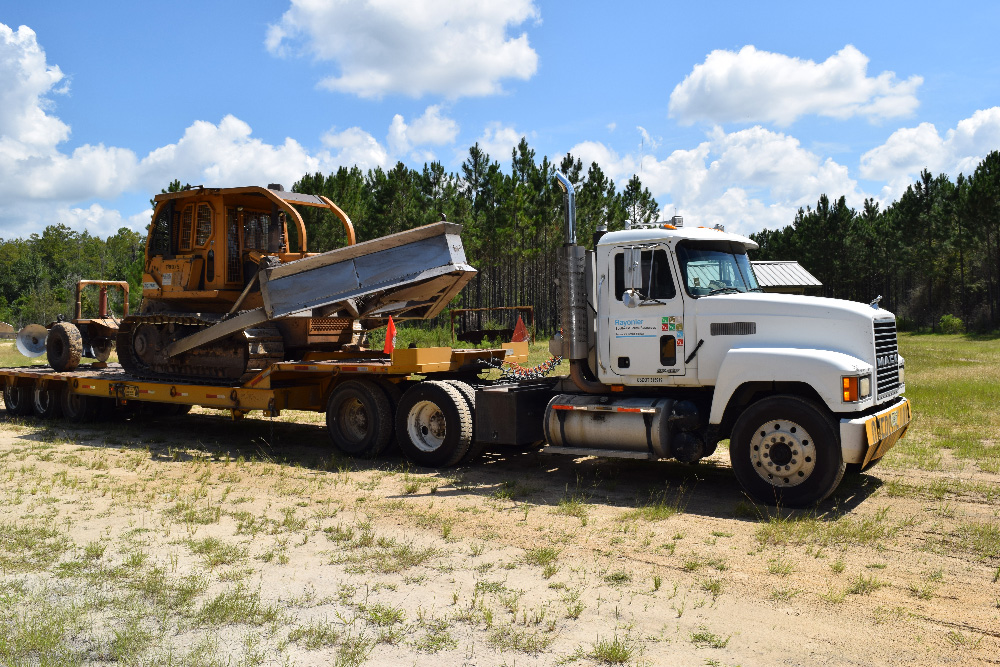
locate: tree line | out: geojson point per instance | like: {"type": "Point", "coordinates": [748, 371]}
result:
{"type": "Point", "coordinates": [933, 253]}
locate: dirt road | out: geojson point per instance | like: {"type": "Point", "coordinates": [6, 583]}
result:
{"type": "Point", "coordinates": [203, 541]}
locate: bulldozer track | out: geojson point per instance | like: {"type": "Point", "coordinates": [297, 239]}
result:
{"type": "Point", "coordinates": [261, 346]}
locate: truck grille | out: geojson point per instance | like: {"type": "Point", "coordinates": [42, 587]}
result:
{"type": "Point", "coordinates": [886, 358]}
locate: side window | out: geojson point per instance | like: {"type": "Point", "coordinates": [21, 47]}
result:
{"type": "Point", "coordinates": [233, 269]}
{"type": "Point", "coordinates": [204, 232]}
{"type": "Point", "coordinates": [187, 226]}
{"type": "Point", "coordinates": [159, 244]}
{"type": "Point", "coordinates": [657, 281]}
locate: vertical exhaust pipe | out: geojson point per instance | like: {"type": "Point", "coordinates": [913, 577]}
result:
{"type": "Point", "coordinates": [573, 296]}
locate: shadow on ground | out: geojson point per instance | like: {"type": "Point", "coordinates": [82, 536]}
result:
{"type": "Point", "coordinates": [707, 488]}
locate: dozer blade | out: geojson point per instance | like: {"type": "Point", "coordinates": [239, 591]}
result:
{"type": "Point", "coordinates": [409, 275]}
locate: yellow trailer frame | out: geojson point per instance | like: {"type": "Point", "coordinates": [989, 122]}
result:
{"type": "Point", "coordinates": [287, 385]}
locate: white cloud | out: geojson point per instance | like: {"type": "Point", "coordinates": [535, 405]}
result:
{"type": "Point", "coordinates": [453, 48]}
{"type": "Point", "coordinates": [226, 154]}
{"type": "Point", "coordinates": [910, 150]}
{"type": "Point", "coordinates": [752, 86]}
{"type": "Point", "coordinates": [430, 129]}
{"type": "Point", "coordinates": [25, 81]}
{"type": "Point", "coordinates": [499, 141]}
{"type": "Point", "coordinates": [41, 184]}
{"type": "Point", "coordinates": [355, 147]}
{"type": "Point", "coordinates": [744, 180]}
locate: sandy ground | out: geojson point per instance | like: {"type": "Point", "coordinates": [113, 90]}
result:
{"type": "Point", "coordinates": [522, 559]}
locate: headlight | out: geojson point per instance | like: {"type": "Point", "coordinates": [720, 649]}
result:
{"type": "Point", "coordinates": [855, 387]}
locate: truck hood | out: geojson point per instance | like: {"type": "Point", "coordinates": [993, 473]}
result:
{"type": "Point", "coordinates": [782, 320]}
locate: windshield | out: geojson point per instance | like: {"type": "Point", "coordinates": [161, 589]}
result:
{"type": "Point", "coordinates": [715, 267]}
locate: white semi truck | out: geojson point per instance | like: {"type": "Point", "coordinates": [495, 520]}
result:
{"type": "Point", "coordinates": [673, 347]}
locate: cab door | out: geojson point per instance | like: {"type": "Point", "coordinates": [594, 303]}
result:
{"type": "Point", "coordinates": [645, 316]}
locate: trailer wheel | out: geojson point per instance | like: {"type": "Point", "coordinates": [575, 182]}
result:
{"type": "Point", "coordinates": [78, 408]}
{"type": "Point", "coordinates": [434, 424]}
{"type": "Point", "coordinates": [468, 392]}
{"type": "Point", "coordinates": [785, 451]}
{"type": "Point", "coordinates": [64, 347]}
{"type": "Point", "coordinates": [46, 403]}
{"type": "Point", "coordinates": [18, 400]}
{"type": "Point", "coordinates": [359, 418]}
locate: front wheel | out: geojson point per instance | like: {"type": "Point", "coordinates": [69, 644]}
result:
{"type": "Point", "coordinates": [434, 424]}
{"type": "Point", "coordinates": [785, 451]}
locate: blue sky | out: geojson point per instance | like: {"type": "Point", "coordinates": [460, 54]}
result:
{"type": "Point", "coordinates": [732, 113]}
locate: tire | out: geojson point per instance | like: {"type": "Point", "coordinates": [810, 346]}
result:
{"type": "Point", "coordinates": [359, 419]}
{"type": "Point", "coordinates": [434, 424]}
{"type": "Point", "coordinates": [468, 392]}
{"type": "Point", "coordinates": [47, 403]}
{"type": "Point", "coordinates": [785, 451]}
{"type": "Point", "coordinates": [64, 347]}
{"type": "Point", "coordinates": [79, 408]}
{"type": "Point", "coordinates": [102, 348]}
{"type": "Point", "coordinates": [394, 393]}
{"type": "Point", "coordinates": [17, 399]}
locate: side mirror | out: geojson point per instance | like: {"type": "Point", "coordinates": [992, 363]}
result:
{"type": "Point", "coordinates": [631, 298]}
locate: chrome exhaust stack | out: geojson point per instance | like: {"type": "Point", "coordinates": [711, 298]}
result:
{"type": "Point", "coordinates": [573, 297]}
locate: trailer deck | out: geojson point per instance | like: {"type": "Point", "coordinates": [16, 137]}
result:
{"type": "Point", "coordinates": [287, 385]}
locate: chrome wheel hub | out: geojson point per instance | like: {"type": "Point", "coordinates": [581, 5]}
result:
{"type": "Point", "coordinates": [783, 453]}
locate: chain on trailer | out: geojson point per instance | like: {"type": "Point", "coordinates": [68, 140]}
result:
{"type": "Point", "coordinates": [510, 371]}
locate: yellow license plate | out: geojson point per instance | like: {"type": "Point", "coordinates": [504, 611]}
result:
{"type": "Point", "coordinates": [885, 429]}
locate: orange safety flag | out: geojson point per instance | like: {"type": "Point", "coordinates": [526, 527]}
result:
{"type": "Point", "coordinates": [520, 332]}
{"type": "Point", "coordinates": [390, 337]}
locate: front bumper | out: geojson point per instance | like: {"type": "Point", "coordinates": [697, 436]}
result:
{"type": "Point", "coordinates": [865, 439]}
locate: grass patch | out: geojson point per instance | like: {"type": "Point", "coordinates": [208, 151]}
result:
{"type": "Point", "coordinates": [809, 529]}
{"type": "Point", "coordinates": [703, 637]}
{"type": "Point", "coordinates": [618, 578]}
{"type": "Point", "coordinates": [214, 552]}
{"type": "Point", "coordinates": [315, 635]}
{"type": "Point", "coordinates": [26, 548]}
{"type": "Point", "coordinates": [866, 585]}
{"type": "Point", "coordinates": [658, 508]}
{"type": "Point", "coordinates": [237, 605]}
{"type": "Point", "coordinates": [506, 638]}
{"type": "Point", "coordinates": [541, 556]}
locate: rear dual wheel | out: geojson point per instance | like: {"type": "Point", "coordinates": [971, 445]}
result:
{"type": "Point", "coordinates": [359, 418]}
{"type": "Point", "coordinates": [17, 399]}
{"type": "Point", "coordinates": [434, 424]}
{"type": "Point", "coordinates": [47, 403]}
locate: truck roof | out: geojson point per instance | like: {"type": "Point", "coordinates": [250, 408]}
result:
{"type": "Point", "coordinates": [662, 232]}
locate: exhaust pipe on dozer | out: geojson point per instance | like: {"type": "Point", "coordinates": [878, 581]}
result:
{"type": "Point", "coordinates": [573, 298]}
